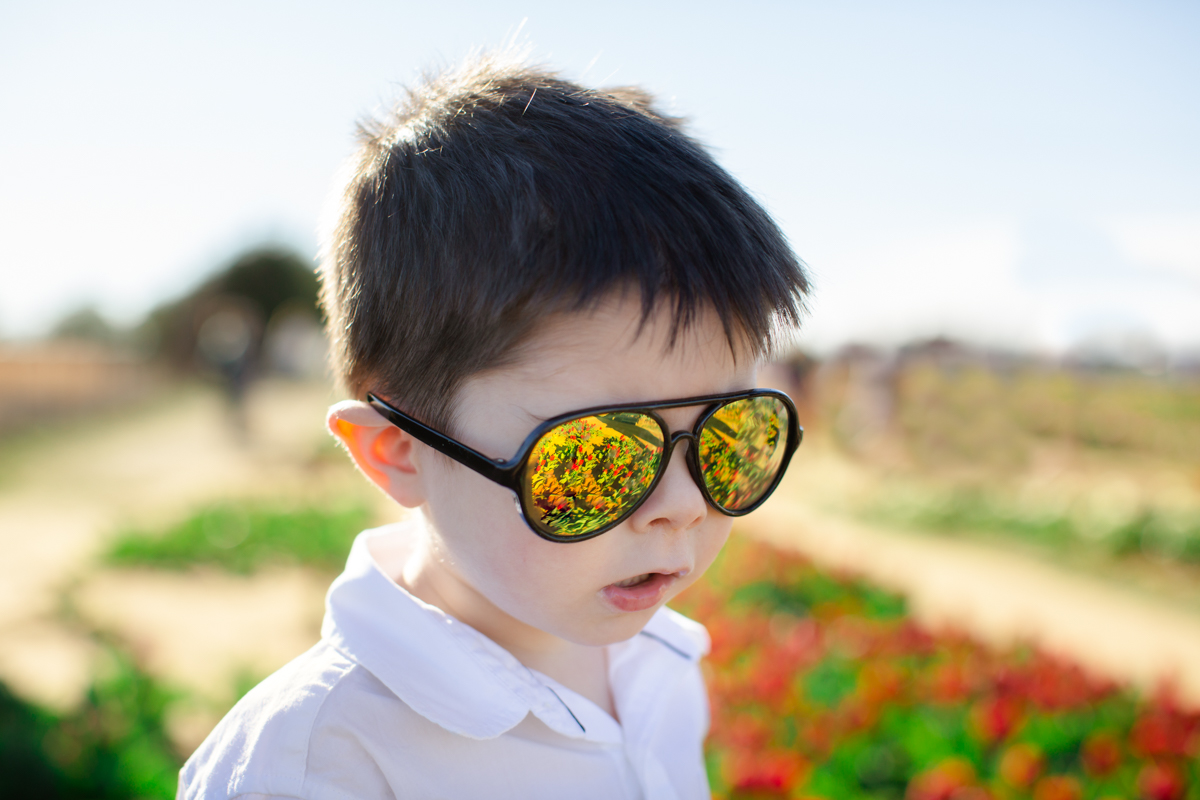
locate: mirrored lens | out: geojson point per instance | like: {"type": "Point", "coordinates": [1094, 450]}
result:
{"type": "Point", "coordinates": [584, 474]}
{"type": "Point", "coordinates": [741, 450]}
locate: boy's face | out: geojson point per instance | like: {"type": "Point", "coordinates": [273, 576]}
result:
{"type": "Point", "coordinates": [483, 553]}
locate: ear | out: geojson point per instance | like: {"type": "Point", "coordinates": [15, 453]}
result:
{"type": "Point", "coordinates": [384, 453]}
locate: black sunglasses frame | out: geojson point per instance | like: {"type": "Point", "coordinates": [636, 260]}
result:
{"type": "Point", "coordinates": [507, 473]}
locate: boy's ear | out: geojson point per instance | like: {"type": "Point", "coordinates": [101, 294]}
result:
{"type": "Point", "coordinates": [383, 452]}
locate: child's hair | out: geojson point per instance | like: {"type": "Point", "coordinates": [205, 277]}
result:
{"type": "Point", "coordinates": [498, 194]}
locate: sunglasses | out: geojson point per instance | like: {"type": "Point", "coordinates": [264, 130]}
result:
{"type": "Point", "coordinates": [580, 474]}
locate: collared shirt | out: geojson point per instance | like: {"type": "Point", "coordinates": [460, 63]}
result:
{"type": "Point", "coordinates": [400, 699]}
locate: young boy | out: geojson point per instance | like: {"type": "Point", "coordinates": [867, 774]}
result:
{"type": "Point", "coordinates": [549, 302]}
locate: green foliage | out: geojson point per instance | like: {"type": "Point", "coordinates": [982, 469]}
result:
{"type": "Point", "coordinates": [114, 746]}
{"type": "Point", "coordinates": [1151, 532]}
{"type": "Point", "coordinates": [813, 589]}
{"type": "Point", "coordinates": [28, 771]}
{"type": "Point", "coordinates": [243, 537]}
{"type": "Point", "coordinates": [830, 681]}
{"type": "Point", "coordinates": [1174, 536]}
{"type": "Point", "coordinates": [928, 734]}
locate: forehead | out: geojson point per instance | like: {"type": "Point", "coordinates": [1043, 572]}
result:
{"type": "Point", "coordinates": [610, 353]}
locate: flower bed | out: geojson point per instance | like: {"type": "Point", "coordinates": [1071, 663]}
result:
{"type": "Point", "coordinates": [826, 688]}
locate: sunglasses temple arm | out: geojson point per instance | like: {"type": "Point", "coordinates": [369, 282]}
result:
{"type": "Point", "coordinates": [499, 472]}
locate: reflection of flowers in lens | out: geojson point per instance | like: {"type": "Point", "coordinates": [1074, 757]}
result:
{"type": "Point", "coordinates": [584, 473]}
{"type": "Point", "coordinates": [741, 450]}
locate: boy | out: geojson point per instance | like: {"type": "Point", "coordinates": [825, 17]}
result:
{"type": "Point", "coordinates": [525, 279]}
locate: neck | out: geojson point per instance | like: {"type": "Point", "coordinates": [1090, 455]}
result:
{"type": "Point", "coordinates": [581, 668]}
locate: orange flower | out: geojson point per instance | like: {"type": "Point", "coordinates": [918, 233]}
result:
{"type": "Point", "coordinates": [880, 681]}
{"type": "Point", "coordinates": [945, 781]}
{"type": "Point", "coordinates": [1021, 764]}
{"type": "Point", "coordinates": [1058, 787]}
{"type": "Point", "coordinates": [948, 683]}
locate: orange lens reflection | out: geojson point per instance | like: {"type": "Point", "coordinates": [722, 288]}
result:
{"type": "Point", "coordinates": [741, 450]}
{"type": "Point", "coordinates": [585, 473]}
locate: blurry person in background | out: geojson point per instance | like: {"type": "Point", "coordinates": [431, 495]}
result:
{"type": "Point", "coordinates": [228, 343]}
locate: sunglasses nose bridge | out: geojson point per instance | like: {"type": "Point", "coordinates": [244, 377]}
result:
{"type": "Point", "coordinates": [676, 438]}
{"type": "Point", "coordinates": [692, 455]}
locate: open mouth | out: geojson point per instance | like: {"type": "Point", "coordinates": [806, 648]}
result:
{"type": "Point", "coordinates": [640, 592]}
{"type": "Point", "coordinates": [635, 580]}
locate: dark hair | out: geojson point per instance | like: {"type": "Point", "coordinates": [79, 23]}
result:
{"type": "Point", "coordinates": [499, 193]}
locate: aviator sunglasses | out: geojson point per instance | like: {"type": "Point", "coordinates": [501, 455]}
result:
{"type": "Point", "coordinates": [580, 474]}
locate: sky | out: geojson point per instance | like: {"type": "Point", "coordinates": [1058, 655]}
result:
{"type": "Point", "coordinates": [1020, 174]}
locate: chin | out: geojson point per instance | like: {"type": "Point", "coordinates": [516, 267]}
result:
{"type": "Point", "coordinates": [614, 630]}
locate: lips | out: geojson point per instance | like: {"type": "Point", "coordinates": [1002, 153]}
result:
{"type": "Point", "coordinates": [640, 592]}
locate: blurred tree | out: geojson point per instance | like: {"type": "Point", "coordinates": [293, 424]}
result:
{"type": "Point", "coordinates": [88, 324]}
{"type": "Point", "coordinates": [219, 328]}
{"type": "Point", "coordinates": [257, 284]}
{"type": "Point", "coordinates": [269, 278]}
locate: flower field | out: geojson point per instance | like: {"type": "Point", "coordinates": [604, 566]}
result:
{"type": "Point", "coordinates": [822, 687]}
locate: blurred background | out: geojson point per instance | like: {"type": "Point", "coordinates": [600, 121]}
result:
{"type": "Point", "coordinates": [999, 378]}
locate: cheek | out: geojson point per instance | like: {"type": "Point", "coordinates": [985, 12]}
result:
{"type": "Point", "coordinates": [475, 517]}
{"type": "Point", "coordinates": [551, 586]}
{"type": "Point", "coordinates": [495, 551]}
{"type": "Point", "coordinates": [545, 576]}
{"type": "Point", "coordinates": [711, 543]}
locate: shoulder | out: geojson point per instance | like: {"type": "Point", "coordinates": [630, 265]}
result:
{"type": "Point", "coordinates": [305, 727]}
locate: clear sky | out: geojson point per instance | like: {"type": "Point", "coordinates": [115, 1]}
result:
{"type": "Point", "coordinates": [1023, 173]}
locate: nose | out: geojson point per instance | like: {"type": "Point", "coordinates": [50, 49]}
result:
{"type": "Point", "coordinates": [676, 503]}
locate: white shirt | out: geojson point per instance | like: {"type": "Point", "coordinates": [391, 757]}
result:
{"type": "Point", "coordinates": [399, 699]}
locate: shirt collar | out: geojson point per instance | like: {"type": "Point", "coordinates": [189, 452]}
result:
{"type": "Point", "coordinates": [450, 673]}
{"type": "Point", "coordinates": [684, 637]}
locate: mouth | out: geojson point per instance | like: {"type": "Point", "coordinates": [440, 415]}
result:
{"type": "Point", "coordinates": [640, 592]}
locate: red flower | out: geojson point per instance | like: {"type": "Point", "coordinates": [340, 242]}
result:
{"type": "Point", "coordinates": [1101, 753]}
{"type": "Point", "coordinates": [1160, 781]}
{"type": "Point", "coordinates": [993, 718]}
{"type": "Point", "coordinates": [1160, 733]}
{"type": "Point", "coordinates": [765, 771]}
{"type": "Point", "coordinates": [744, 732]}
{"type": "Point", "coordinates": [771, 680]}
{"type": "Point", "coordinates": [1054, 685]}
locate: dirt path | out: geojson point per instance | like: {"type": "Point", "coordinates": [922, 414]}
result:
{"type": "Point", "coordinates": [65, 495]}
